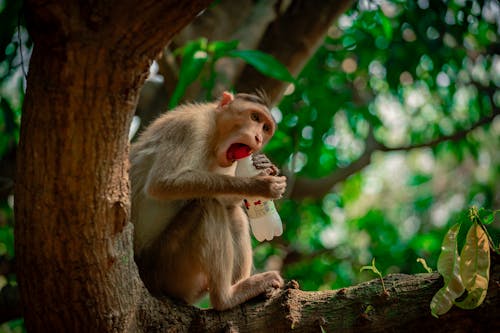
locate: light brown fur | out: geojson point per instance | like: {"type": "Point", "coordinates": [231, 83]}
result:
{"type": "Point", "coordinates": [191, 233]}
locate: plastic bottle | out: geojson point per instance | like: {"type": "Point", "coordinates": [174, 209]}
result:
{"type": "Point", "coordinates": [264, 219]}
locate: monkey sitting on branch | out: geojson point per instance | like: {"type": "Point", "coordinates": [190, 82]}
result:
{"type": "Point", "coordinates": [191, 232]}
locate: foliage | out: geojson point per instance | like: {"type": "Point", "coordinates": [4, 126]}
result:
{"type": "Point", "coordinates": [12, 39]}
{"type": "Point", "coordinates": [415, 79]}
{"type": "Point", "coordinates": [13, 326]}
{"type": "Point", "coordinates": [15, 47]}
{"type": "Point", "coordinates": [449, 267]}
{"type": "Point", "coordinates": [468, 272]}
{"type": "Point", "coordinates": [198, 53]}
{"type": "Point", "coordinates": [375, 270]}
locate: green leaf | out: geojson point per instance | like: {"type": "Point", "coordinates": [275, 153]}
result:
{"type": "Point", "coordinates": [486, 216]}
{"type": "Point", "coordinates": [264, 63]}
{"type": "Point", "coordinates": [449, 268]}
{"type": "Point", "coordinates": [386, 25]}
{"type": "Point", "coordinates": [424, 264]}
{"type": "Point", "coordinates": [475, 267]}
{"type": "Point", "coordinates": [221, 48]}
{"type": "Point", "coordinates": [194, 57]}
{"type": "Point", "coordinates": [375, 270]}
{"type": "Point", "coordinates": [372, 268]}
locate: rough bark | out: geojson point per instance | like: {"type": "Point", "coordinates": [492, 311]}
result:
{"type": "Point", "coordinates": [362, 308]}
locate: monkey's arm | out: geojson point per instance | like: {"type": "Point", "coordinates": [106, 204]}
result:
{"type": "Point", "coordinates": [189, 184]}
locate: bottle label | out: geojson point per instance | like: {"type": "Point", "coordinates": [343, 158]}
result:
{"type": "Point", "coordinates": [258, 208]}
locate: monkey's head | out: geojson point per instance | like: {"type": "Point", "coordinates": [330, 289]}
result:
{"type": "Point", "coordinates": [244, 126]}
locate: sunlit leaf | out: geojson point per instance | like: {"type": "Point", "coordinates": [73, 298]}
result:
{"type": "Point", "coordinates": [221, 48]}
{"type": "Point", "coordinates": [372, 268]}
{"type": "Point", "coordinates": [264, 63]}
{"type": "Point", "coordinates": [449, 268]}
{"type": "Point", "coordinates": [194, 57]}
{"type": "Point", "coordinates": [475, 267]}
{"type": "Point", "coordinates": [375, 270]}
{"type": "Point", "coordinates": [487, 216]}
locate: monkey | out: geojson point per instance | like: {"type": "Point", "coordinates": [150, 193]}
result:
{"type": "Point", "coordinates": [191, 234]}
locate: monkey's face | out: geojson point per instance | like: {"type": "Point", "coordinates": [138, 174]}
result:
{"type": "Point", "coordinates": [243, 128]}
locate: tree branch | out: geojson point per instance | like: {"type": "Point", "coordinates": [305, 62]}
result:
{"type": "Point", "coordinates": [459, 135]}
{"type": "Point", "coordinates": [228, 20]}
{"type": "Point", "coordinates": [363, 307]}
{"type": "Point", "coordinates": [292, 39]}
{"type": "Point", "coordinates": [146, 24]}
{"type": "Point", "coordinates": [304, 187]}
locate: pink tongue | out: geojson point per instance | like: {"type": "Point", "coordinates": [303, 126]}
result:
{"type": "Point", "coordinates": [237, 151]}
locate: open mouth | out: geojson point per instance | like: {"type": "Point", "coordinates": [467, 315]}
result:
{"type": "Point", "coordinates": [238, 151]}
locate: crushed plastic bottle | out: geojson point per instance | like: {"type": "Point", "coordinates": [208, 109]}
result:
{"type": "Point", "coordinates": [265, 221]}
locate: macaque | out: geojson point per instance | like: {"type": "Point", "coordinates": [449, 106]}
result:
{"type": "Point", "coordinates": [191, 232]}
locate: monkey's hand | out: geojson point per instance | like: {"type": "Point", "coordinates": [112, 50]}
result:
{"type": "Point", "coordinates": [271, 187]}
{"type": "Point", "coordinates": [261, 162]}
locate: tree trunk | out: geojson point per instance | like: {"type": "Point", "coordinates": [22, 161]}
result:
{"type": "Point", "coordinates": [73, 237]}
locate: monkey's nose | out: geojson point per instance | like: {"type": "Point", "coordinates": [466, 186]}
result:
{"type": "Point", "coordinates": [258, 138]}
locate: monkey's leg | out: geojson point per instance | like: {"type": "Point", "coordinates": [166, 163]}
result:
{"type": "Point", "coordinates": [172, 265]}
{"type": "Point", "coordinates": [227, 248]}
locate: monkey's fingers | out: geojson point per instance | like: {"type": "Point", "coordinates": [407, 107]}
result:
{"type": "Point", "coordinates": [281, 180]}
{"type": "Point", "coordinates": [279, 186]}
{"type": "Point", "coordinates": [275, 285]}
{"type": "Point", "coordinates": [260, 161]}
{"type": "Point", "coordinates": [271, 171]}
{"type": "Point", "coordinates": [278, 191]}
{"type": "Point", "coordinates": [274, 170]}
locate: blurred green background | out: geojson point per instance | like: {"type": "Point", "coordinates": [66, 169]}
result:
{"type": "Point", "coordinates": [387, 136]}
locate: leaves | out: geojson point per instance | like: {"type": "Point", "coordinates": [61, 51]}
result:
{"type": "Point", "coordinates": [475, 267]}
{"type": "Point", "coordinates": [194, 58]}
{"type": "Point", "coordinates": [264, 63]}
{"type": "Point", "coordinates": [448, 266]}
{"type": "Point", "coordinates": [197, 54]}
{"type": "Point", "coordinates": [469, 271]}
{"type": "Point", "coordinates": [424, 264]}
{"type": "Point", "coordinates": [375, 270]}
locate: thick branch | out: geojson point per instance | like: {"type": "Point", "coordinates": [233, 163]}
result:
{"type": "Point", "coordinates": [361, 308]}
{"type": "Point", "coordinates": [307, 187]}
{"type": "Point", "coordinates": [141, 19]}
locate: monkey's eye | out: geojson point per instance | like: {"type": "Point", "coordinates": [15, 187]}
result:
{"type": "Point", "coordinates": [266, 128]}
{"type": "Point", "coordinates": [255, 117]}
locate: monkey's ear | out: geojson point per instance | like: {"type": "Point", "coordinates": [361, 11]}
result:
{"type": "Point", "coordinates": [226, 98]}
